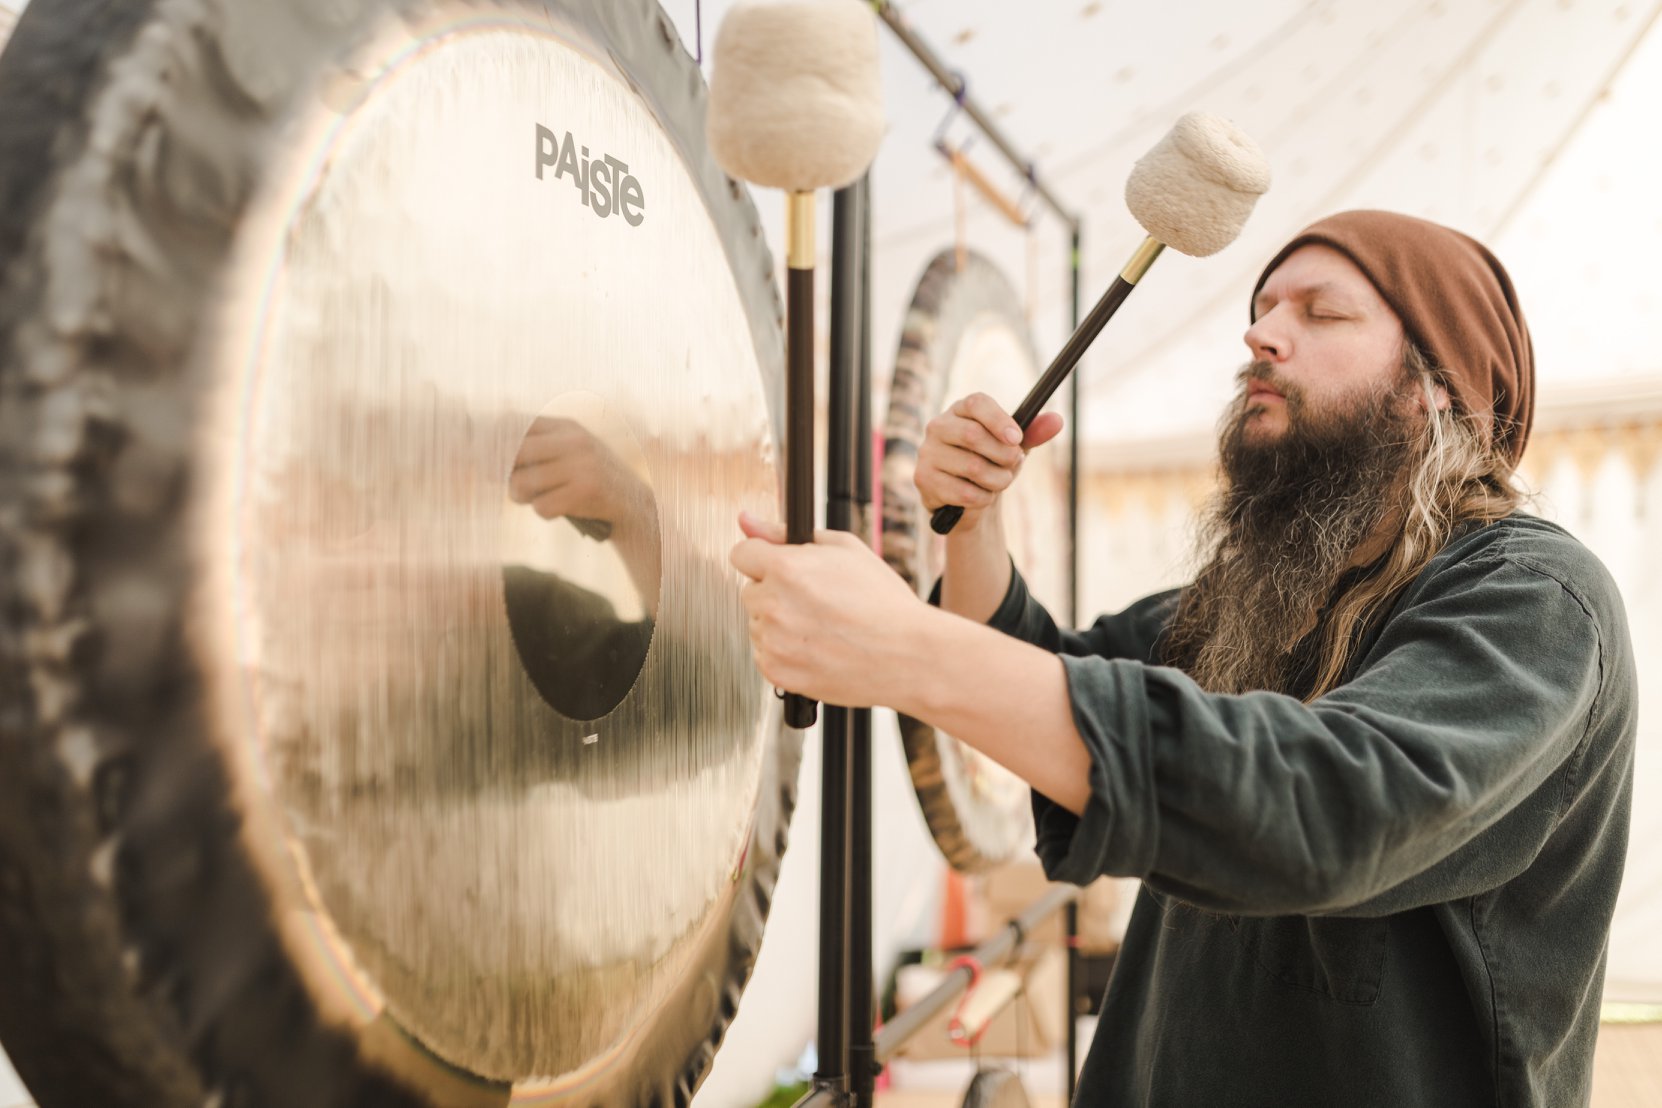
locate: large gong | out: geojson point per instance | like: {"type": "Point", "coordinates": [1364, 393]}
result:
{"type": "Point", "coordinates": [964, 333]}
{"type": "Point", "coordinates": [380, 384]}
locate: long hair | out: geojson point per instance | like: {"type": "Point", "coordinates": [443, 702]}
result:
{"type": "Point", "coordinates": [1456, 476]}
{"type": "Point", "coordinates": [1460, 478]}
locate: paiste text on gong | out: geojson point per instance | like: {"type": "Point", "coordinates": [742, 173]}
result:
{"type": "Point", "coordinates": [604, 184]}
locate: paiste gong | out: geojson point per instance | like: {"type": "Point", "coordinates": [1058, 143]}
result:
{"type": "Point", "coordinates": [964, 333]}
{"type": "Point", "coordinates": [380, 385]}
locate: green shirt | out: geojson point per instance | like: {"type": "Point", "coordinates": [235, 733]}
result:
{"type": "Point", "coordinates": [1396, 895]}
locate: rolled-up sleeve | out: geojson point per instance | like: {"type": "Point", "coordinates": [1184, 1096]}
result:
{"type": "Point", "coordinates": [1438, 771]}
{"type": "Point", "coordinates": [1119, 770]}
{"type": "Point", "coordinates": [1131, 633]}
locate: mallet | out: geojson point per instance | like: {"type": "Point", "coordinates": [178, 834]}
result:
{"type": "Point", "coordinates": [796, 104]}
{"type": "Point", "coordinates": [1192, 192]}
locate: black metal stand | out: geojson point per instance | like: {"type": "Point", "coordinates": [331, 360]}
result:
{"type": "Point", "coordinates": [1071, 920]}
{"type": "Point", "coordinates": [862, 1003]}
{"type": "Point", "coordinates": [955, 84]}
{"type": "Point", "coordinates": [847, 1068]}
{"type": "Point", "coordinates": [834, 930]}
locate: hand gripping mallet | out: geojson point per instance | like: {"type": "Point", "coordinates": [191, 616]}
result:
{"type": "Point", "coordinates": [1192, 192]}
{"type": "Point", "coordinates": [796, 104]}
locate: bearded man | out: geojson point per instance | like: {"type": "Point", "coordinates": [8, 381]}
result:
{"type": "Point", "coordinates": [1373, 766]}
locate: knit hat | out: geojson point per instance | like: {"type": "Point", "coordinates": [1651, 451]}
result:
{"type": "Point", "coordinates": [1455, 302]}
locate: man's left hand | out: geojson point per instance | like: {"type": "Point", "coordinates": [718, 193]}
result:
{"type": "Point", "coordinates": [828, 619]}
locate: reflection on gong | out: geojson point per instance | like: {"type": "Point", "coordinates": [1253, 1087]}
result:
{"type": "Point", "coordinates": [964, 333]}
{"type": "Point", "coordinates": [457, 358]}
{"type": "Point", "coordinates": [582, 562]}
{"type": "Point", "coordinates": [493, 860]}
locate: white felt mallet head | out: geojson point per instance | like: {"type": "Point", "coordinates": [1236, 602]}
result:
{"type": "Point", "coordinates": [1194, 190]}
{"type": "Point", "coordinates": [796, 102]}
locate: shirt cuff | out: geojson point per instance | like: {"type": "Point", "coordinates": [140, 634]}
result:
{"type": "Point", "coordinates": [1007, 617]}
{"type": "Point", "coordinates": [1118, 833]}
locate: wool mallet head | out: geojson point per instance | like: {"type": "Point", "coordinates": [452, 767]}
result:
{"type": "Point", "coordinates": [1194, 190]}
{"type": "Point", "coordinates": [796, 102]}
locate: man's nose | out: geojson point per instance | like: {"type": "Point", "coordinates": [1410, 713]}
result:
{"type": "Point", "coordinates": [1266, 339]}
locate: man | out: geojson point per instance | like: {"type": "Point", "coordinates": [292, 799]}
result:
{"type": "Point", "coordinates": [1379, 801]}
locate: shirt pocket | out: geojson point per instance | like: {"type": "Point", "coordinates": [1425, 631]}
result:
{"type": "Point", "coordinates": [1341, 959]}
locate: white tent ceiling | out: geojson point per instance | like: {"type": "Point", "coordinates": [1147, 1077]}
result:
{"type": "Point", "coordinates": [1528, 123]}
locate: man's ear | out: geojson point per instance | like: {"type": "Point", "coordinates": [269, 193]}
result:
{"type": "Point", "coordinates": [1439, 396]}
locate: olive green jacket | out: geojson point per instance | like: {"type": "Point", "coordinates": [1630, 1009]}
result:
{"type": "Point", "coordinates": [1398, 894]}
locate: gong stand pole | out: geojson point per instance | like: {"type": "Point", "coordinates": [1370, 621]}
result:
{"type": "Point", "coordinates": [959, 88]}
{"type": "Point", "coordinates": [862, 1008]}
{"type": "Point", "coordinates": [1071, 916]}
{"type": "Point", "coordinates": [846, 1069]}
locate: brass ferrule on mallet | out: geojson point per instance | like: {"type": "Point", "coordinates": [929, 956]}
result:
{"type": "Point", "coordinates": [799, 230]}
{"type": "Point", "coordinates": [1141, 260]}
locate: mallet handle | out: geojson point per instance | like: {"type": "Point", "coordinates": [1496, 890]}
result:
{"type": "Point", "coordinates": [946, 517]}
{"type": "Point", "coordinates": [800, 711]}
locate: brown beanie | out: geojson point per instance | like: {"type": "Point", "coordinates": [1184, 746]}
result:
{"type": "Point", "coordinates": [1455, 302]}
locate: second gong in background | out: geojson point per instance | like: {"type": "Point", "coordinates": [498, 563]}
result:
{"type": "Point", "coordinates": [965, 333]}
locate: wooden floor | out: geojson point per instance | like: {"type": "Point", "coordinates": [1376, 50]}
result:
{"type": "Point", "coordinates": [899, 1098]}
{"type": "Point", "coordinates": [1627, 1073]}
{"type": "Point", "coordinates": [1627, 1070]}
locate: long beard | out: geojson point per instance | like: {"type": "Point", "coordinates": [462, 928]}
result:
{"type": "Point", "coordinates": [1283, 530]}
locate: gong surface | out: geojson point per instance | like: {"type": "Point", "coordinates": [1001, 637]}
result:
{"type": "Point", "coordinates": [451, 424]}
{"type": "Point", "coordinates": [964, 333]}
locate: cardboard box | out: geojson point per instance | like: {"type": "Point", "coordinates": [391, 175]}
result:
{"type": "Point", "coordinates": [1010, 889]}
{"type": "Point", "coordinates": [1031, 1026]}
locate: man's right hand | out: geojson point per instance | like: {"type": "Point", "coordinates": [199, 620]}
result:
{"type": "Point", "coordinates": [972, 452]}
